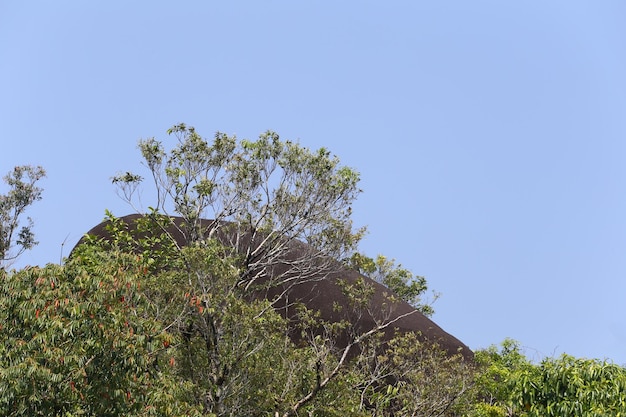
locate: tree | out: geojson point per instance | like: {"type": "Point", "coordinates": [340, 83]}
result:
{"type": "Point", "coordinates": [234, 352]}
{"type": "Point", "coordinates": [412, 378]}
{"type": "Point", "coordinates": [83, 339]}
{"type": "Point", "coordinates": [398, 279]}
{"type": "Point", "coordinates": [23, 192]}
{"type": "Point", "coordinates": [169, 316]}
{"type": "Point", "coordinates": [509, 385]}
{"type": "Point", "coordinates": [496, 386]}
{"type": "Point", "coordinates": [263, 194]}
{"type": "Point", "coordinates": [573, 386]}
{"type": "Point", "coordinates": [142, 323]}
{"type": "Point", "coordinates": [266, 198]}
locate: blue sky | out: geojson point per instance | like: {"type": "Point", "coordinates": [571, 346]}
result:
{"type": "Point", "coordinates": [490, 135]}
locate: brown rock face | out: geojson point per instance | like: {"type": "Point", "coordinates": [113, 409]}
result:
{"type": "Point", "coordinates": [325, 294]}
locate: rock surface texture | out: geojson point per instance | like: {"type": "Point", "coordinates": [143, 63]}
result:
{"type": "Point", "coordinates": [324, 293]}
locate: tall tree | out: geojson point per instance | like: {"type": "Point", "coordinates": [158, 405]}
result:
{"type": "Point", "coordinates": [268, 200]}
{"type": "Point", "coordinates": [262, 194]}
{"type": "Point", "coordinates": [16, 233]}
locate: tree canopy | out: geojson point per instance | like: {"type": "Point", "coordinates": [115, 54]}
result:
{"type": "Point", "coordinates": [15, 236]}
{"type": "Point", "coordinates": [163, 319]}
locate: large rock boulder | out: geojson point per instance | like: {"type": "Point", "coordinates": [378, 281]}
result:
{"type": "Point", "coordinates": [326, 293]}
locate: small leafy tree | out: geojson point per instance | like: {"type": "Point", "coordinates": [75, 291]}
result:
{"type": "Point", "coordinates": [497, 382]}
{"type": "Point", "coordinates": [509, 385]}
{"type": "Point", "coordinates": [401, 281]}
{"type": "Point", "coordinates": [23, 192]}
{"type": "Point", "coordinates": [413, 378]}
{"type": "Point", "coordinates": [573, 386]}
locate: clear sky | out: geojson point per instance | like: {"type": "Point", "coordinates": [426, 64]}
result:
{"type": "Point", "coordinates": [490, 135]}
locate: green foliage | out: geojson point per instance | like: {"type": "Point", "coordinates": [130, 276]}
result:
{"type": "Point", "coordinates": [81, 339]}
{"type": "Point", "coordinates": [147, 237]}
{"type": "Point", "coordinates": [496, 383]}
{"type": "Point", "coordinates": [419, 379]}
{"type": "Point", "coordinates": [399, 280]}
{"type": "Point", "coordinates": [573, 386]}
{"type": "Point", "coordinates": [236, 354]}
{"type": "Point", "coordinates": [224, 341]}
{"type": "Point", "coordinates": [233, 352]}
{"type": "Point", "coordinates": [23, 192]}
{"type": "Point", "coordinates": [268, 185]}
{"type": "Point", "coordinates": [510, 385]}
{"type": "Point", "coordinates": [138, 324]}
{"type": "Point", "coordinates": [263, 196]}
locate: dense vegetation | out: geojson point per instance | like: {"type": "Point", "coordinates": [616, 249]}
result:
{"type": "Point", "coordinates": [137, 325]}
